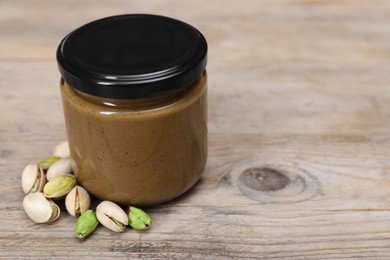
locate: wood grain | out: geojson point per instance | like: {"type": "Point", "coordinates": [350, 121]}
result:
{"type": "Point", "coordinates": [299, 128]}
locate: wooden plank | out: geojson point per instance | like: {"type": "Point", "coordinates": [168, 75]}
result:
{"type": "Point", "coordinates": [299, 133]}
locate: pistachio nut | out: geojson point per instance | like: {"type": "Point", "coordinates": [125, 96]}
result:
{"type": "Point", "coordinates": [47, 162]}
{"type": "Point", "coordinates": [77, 201]}
{"type": "Point", "coordinates": [138, 219]}
{"type": "Point", "coordinates": [59, 186]}
{"type": "Point", "coordinates": [112, 216]}
{"type": "Point", "coordinates": [33, 178]}
{"type": "Point", "coordinates": [86, 224]}
{"type": "Point", "coordinates": [62, 149]}
{"type": "Point", "coordinates": [60, 167]}
{"type": "Point", "coordinates": [40, 209]}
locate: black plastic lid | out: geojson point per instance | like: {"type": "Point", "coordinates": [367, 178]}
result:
{"type": "Point", "coordinates": [132, 56]}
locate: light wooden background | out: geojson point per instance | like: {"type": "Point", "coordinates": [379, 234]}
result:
{"type": "Point", "coordinates": [299, 124]}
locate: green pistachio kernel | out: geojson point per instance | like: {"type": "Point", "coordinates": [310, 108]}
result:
{"type": "Point", "coordinates": [86, 224]}
{"type": "Point", "coordinates": [59, 186]}
{"type": "Point", "coordinates": [138, 219]}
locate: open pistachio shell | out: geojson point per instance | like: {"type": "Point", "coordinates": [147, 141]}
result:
{"type": "Point", "coordinates": [60, 167]}
{"type": "Point", "coordinates": [40, 209]}
{"type": "Point", "coordinates": [58, 187]}
{"type": "Point", "coordinates": [33, 178]}
{"type": "Point", "coordinates": [77, 201]}
{"type": "Point", "coordinates": [112, 216]}
{"type": "Point", "coordinates": [62, 150]}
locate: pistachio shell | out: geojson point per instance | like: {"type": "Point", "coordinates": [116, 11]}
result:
{"type": "Point", "coordinates": [86, 224]}
{"type": "Point", "coordinates": [62, 150]}
{"type": "Point", "coordinates": [112, 216]}
{"type": "Point", "coordinates": [47, 162]}
{"type": "Point", "coordinates": [138, 219]}
{"type": "Point", "coordinates": [33, 178]}
{"type": "Point", "coordinates": [77, 201]}
{"type": "Point", "coordinates": [60, 167]}
{"type": "Point", "coordinates": [59, 186]}
{"type": "Point", "coordinates": [40, 209]}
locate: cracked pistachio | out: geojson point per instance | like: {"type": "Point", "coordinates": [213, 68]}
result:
{"type": "Point", "coordinates": [59, 186]}
{"type": "Point", "coordinates": [60, 167]}
{"type": "Point", "coordinates": [62, 149]}
{"type": "Point", "coordinates": [138, 219]}
{"type": "Point", "coordinates": [47, 162]}
{"type": "Point", "coordinates": [77, 201]}
{"type": "Point", "coordinates": [112, 216]}
{"type": "Point", "coordinates": [86, 224]}
{"type": "Point", "coordinates": [40, 209]}
{"type": "Point", "coordinates": [33, 178]}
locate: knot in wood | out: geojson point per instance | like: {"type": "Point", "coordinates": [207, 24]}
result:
{"type": "Point", "coordinates": [273, 180]}
{"type": "Point", "coordinates": [264, 179]}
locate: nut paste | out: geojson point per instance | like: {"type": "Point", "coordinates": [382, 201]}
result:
{"type": "Point", "coordinates": [134, 97]}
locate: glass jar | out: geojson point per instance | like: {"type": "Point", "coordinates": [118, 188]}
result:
{"type": "Point", "coordinates": [134, 91]}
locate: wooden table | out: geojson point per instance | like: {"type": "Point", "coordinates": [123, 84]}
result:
{"type": "Point", "coordinates": [299, 129]}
